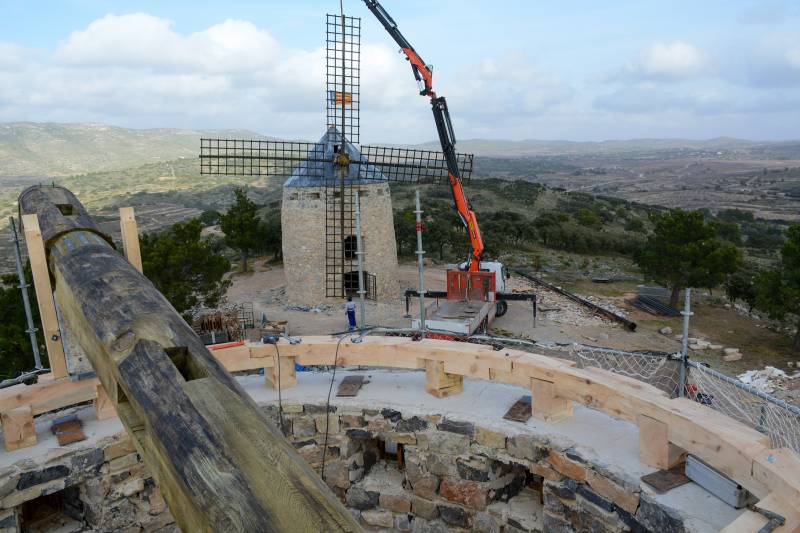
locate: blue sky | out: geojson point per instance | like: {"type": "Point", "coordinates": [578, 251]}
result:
{"type": "Point", "coordinates": [578, 70]}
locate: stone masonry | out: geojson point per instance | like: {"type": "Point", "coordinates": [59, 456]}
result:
{"type": "Point", "coordinates": [303, 223]}
{"type": "Point", "coordinates": [446, 475]}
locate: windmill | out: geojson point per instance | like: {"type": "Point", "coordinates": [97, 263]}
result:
{"type": "Point", "coordinates": [336, 162]}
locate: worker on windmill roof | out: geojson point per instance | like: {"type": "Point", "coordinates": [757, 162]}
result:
{"type": "Point", "coordinates": [350, 309]}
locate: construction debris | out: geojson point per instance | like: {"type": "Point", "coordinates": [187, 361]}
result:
{"type": "Point", "coordinates": [768, 379]}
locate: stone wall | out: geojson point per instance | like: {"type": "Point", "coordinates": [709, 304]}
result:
{"type": "Point", "coordinates": [438, 475]}
{"type": "Point", "coordinates": [102, 488]}
{"type": "Point", "coordinates": [303, 226]}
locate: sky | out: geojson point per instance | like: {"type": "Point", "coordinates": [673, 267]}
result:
{"type": "Point", "coordinates": [536, 69]}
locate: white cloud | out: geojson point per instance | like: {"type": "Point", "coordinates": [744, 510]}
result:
{"type": "Point", "coordinates": [677, 60]}
{"type": "Point", "coordinates": [137, 70]}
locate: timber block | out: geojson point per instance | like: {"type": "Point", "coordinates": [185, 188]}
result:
{"type": "Point", "coordinates": [286, 374]}
{"type": "Point", "coordinates": [18, 428]}
{"type": "Point", "coordinates": [103, 406]}
{"type": "Point", "coordinates": [545, 404]}
{"type": "Point", "coordinates": [655, 449]}
{"type": "Point", "coordinates": [440, 383]}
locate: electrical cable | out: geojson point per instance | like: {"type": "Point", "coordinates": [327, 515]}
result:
{"type": "Point", "coordinates": [328, 405]}
{"type": "Point", "coordinates": [280, 400]}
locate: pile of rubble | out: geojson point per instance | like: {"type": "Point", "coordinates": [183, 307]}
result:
{"type": "Point", "coordinates": [729, 353]}
{"type": "Point", "coordinates": [770, 379]}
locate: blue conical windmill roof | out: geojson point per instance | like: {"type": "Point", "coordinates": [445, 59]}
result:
{"type": "Point", "coordinates": [319, 170]}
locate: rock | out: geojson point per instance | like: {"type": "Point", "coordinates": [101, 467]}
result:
{"type": "Point", "coordinates": [449, 443]}
{"type": "Point", "coordinates": [337, 475]}
{"type": "Point", "coordinates": [397, 503]}
{"type": "Point", "coordinates": [292, 408]}
{"type": "Point", "coordinates": [454, 426]}
{"type": "Point", "coordinates": [426, 486]}
{"type": "Point", "coordinates": [124, 446]}
{"type": "Point", "coordinates": [732, 357]}
{"type": "Point", "coordinates": [424, 508]}
{"type": "Point", "coordinates": [38, 477]}
{"type": "Point", "coordinates": [402, 522]}
{"type": "Point", "coordinates": [522, 510]}
{"type": "Point", "coordinates": [360, 499]}
{"type": "Point", "coordinates": [566, 466]}
{"type": "Point", "coordinates": [352, 421]}
{"type": "Point", "coordinates": [703, 345]}
{"type": "Point", "coordinates": [657, 518]}
{"type": "Point", "coordinates": [491, 439]}
{"type": "Point", "coordinates": [553, 524]}
{"type": "Point", "coordinates": [467, 493]}
{"type": "Point", "coordinates": [527, 447]}
{"type": "Point", "coordinates": [472, 470]}
{"type": "Point", "coordinates": [441, 465]}
{"type": "Point", "coordinates": [331, 420]}
{"type": "Point", "coordinates": [627, 500]}
{"type": "Point", "coordinates": [454, 516]}
{"type": "Point", "coordinates": [410, 425]}
{"type": "Point", "coordinates": [666, 330]}
{"type": "Point", "coordinates": [378, 517]}
{"type": "Point", "coordinates": [391, 415]}
{"type": "Point", "coordinates": [425, 526]}
{"type": "Point", "coordinates": [678, 337]}
{"type": "Point", "coordinates": [304, 426]}
{"type": "Point", "coordinates": [715, 347]}
{"type": "Point", "coordinates": [730, 351]}
{"type": "Point", "coordinates": [485, 523]}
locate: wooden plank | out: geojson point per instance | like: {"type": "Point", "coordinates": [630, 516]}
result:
{"type": "Point", "coordinates": [780, 470]}
{"type": "Point", "coordinates": [750, 521]}
{"type": "Point", "coordinates": [545, 403]}
{"type": "Point", "coordinates": [350, 386]}
{"type": "Point", "coordinates": [654, 447]}
{"type": "Point", "coordinates": [283, 377]}
{"type": "Point", "coordinates": [19, 430]}
{"type": "Point", "coordinates": [44, 296]}
{"type": "Point", "coordinates": [439, 383]}
{"type": "Point", "coordinates": [130, 237]}
{"type": "Point", "coordinates": [103, 406]}
{"type": "Point", "coordinates": [48, 396]}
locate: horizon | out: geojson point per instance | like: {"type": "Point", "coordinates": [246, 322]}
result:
{"type": "Point", "coordinates": [575, 72]}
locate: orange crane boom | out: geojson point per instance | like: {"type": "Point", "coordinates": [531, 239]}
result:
{"type": "Point", "coordinates": [423, 73]}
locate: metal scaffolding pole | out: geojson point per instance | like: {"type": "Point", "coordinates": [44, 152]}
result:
{"type": "Point", "coordinates": [360, 256]}
{"type": "Point", "coordinates": [23, 288]}
{"type": "Point", "coordinates": [420, 262]}
{"type": "Point", "coordinates": [687, 312]}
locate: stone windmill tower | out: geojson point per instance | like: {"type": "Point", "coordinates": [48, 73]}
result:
{"type": "Point", "coordinates": [325, 180]}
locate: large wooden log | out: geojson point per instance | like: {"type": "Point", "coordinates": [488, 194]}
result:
{"type": "Point", "coordinates": [221, 465]}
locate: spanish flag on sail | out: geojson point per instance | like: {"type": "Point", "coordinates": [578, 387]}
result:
{"type": "Point", "coordinates": [337, 97]}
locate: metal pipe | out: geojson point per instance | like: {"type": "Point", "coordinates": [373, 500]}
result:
{"type": "Point", "coordinates": [359, 255]}
{"type": "Point", "coordinates": [420, 263]}
{"type": "Point", "coordinates": [23, 288]}
{"type": "Point", "coordinates": [687, 312]}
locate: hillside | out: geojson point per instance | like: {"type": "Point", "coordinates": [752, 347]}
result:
{"type": "Point", "coordinates": [54, 150]}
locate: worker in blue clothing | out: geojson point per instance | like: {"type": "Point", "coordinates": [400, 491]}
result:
{"type": "Point", "coordinates": [350, 309]}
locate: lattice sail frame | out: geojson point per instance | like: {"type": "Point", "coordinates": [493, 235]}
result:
{"type": "Point", "coordinates": [238, 157]}
{"type": "Point", "coordinates": [343, 75]}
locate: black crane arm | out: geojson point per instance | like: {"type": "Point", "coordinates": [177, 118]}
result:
{"type": "Point", "coordinates": [444, 127]}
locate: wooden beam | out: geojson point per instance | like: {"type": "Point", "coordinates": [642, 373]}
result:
{"type": "Point", "coordinates": [545, 404]}
{"type": "Point", "coordinates": [18, 428]}
{"type": "Point", "coordinates": [281, 374]}
{"type": "Point", "coordinates": [439, 383]}
{"type": "Point", "coordinates": [654, 447]}
{"type": "Point", "coordinates": [750, 521]}
{"type": "Point", "coordinates": [103, 406]}
{"type": "Point", "coordinates": [44, 296]}
{"type": "Point", "coordinates": [130, 237]}
{"type": "Point", "coordinates": [219, 462]}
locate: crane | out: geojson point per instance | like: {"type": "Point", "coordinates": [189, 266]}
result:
{"type": "Point", "coordinates": [423, 73]}
{"type": "Point", "coordinates": [476, 279]}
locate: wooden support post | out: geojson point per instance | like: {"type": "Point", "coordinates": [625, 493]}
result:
{"type": "Point", "coordinates": [655, 449]}
{"type": "Point", "coordinates": [44, 295]}
{"type": "Point", "coordinates": [545, 405]}
{"type": "Point", "coordinates": [130, 237]}
{"type": "Point", "coordinates": [103, 406]}
{"type": "Point", "coordinates": [288, 375]}
{"type": "Point", "coordinates": [439, 383]}
{"type": "Point", "coordinates": [18, 428]}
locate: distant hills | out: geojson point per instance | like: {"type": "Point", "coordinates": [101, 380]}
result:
{"type": "Point", "coordinates": [53, 149]}
{"type": "Point", "coordinates": [58, 150]}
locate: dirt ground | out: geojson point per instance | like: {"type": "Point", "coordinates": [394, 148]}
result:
{"type": "Point", "coordinates": [559, 319]}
